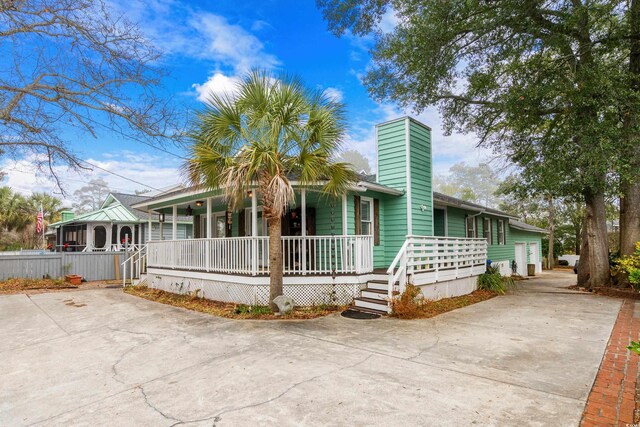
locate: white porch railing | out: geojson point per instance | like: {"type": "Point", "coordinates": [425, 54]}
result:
{"type": "Point", "coordinates": [423, 260]}
{"type": "Point", "coordinates": [250, 255]}
{"type": "Point", "coordinates": [135, 264]}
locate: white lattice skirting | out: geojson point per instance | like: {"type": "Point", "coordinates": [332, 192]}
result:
{"type": "Point", "coordinates": [307, 294]}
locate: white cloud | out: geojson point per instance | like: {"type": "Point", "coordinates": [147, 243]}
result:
{"type": "Point", "coordinates": [334, 94]}
{"type": "Point", "coordinates": [219, 84]}
{"type": "Point", "coordinates": [230, 44]}
{"type": "Point", "coordinates": [389, 21]}
{"type": "Point", "coordinates": [156, 171]}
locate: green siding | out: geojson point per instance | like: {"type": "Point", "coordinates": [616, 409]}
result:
{"type": "Point", "coordinates": [392, 171]}
{"type": "Point", "coordinates": [495, 252]}
{"type": "Point", "coordinates": [420, 161]}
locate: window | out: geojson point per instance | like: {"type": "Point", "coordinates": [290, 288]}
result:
{"type": "Point", "coordinates": [487, 231]}
{"type": "Point", "coordinates": [263, 230]}
{"type": "Point", "coordinates": [470, 223]}
{"type": "Point", "coordinates": [366, 216]}
{"type": "Point", "coordinates": [501, 236]}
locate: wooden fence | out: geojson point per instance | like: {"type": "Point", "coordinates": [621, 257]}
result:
{"type": "Point", "coordinates": [90, 265]}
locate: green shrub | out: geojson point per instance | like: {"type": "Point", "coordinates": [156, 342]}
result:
{"type": "Point", "coordinates": [252, 309]}
{"type": "Point", "coordinates": [493, 281]}
{"type": "Point", "coordinates": [631, 265]}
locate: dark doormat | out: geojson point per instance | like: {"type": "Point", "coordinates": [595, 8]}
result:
{"type": "Point", "coordinates": [353, 314]}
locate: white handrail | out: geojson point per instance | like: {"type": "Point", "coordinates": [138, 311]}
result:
{"type": "Point", "coordinates": [134, 260]}
{"type": "Point", "coordinates": [401, 258]}
{"type": "Point", "coordinates": [427, 257]}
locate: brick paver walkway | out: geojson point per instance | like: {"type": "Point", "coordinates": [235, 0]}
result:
{"type": "Point", "coordinates": [612, 398]}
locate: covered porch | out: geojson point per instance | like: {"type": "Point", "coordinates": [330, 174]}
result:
{"type": "Point", "coordinates": [317, 237]}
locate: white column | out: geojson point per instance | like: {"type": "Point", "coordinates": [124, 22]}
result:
{"type": "Point", "coordinates": [303, 211]}
{"type": "Point", "coordinates": [118, 228]}
{"type": "Point", "coordinates": [90, 242]}
{"type": "Point", "coordinates": [344, 214]}
{"type": "Point", "coordinates": [254, 213]}
{"type": "Point", "coordinates": [208, 220]}
{"type": "Point", "coordinates": [254, 232]}
{"type": "Point", "coordinates": [133, 234]}
{"type": "Point", "coordinates": [174, 222]}
{"type": "Point", "coordinates": [303, 217]}
{"type": "Point", "coordinates": [344, 230]}
{"type": "Point", "coordinates": [150, 226]}
{"type": "Point", "coordinates": [109, 228]}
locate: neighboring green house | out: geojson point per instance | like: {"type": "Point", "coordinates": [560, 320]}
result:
{"type": "Point", "coordinates": [386, 228]}
{"type": "Point", "coordinates": [106, 229]}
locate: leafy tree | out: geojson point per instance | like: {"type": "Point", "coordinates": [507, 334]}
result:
{"type": "Point", "coordinates": [476, 184]}
{"type": "Point", "coordinates": [630, 181]}
{"type": "Point", "coordinates": [90, 197]}
{"type": "Point", "coordinates": [274, 128]}
{"type": "Point", "coordinates": [359, 162]}
{"type": "Point", "coordinates": [542, 82]}
{"type": "Point", "coordinates": [71, 65]}
{"type": "Point", "coordinates": [13, 215]}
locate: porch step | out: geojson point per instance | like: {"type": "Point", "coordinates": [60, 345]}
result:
{"type": "Point", "coordinates": [372, 304]}
{"type": "Point", "coordinates": [369, 310]}
{"type": "Point", "coordinates": [374, 294]}
{"type": "Point", "coordinates": [381, 285]}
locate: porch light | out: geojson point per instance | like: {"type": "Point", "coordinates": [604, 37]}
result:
{"type": "Point", "coordinates": [199, 203]}
{"type": "Point", "coordinates": [189, 211]}
{"type": "Point", "coordinates": [161, 217]}
{"type": "Point", "coordinates": [249, 193]}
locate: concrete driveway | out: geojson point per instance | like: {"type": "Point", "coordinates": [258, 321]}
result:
{"type": "Point", "coordinates": [101, 357]}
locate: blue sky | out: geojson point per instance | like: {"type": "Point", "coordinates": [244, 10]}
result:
{"type": "Point", "coordinates": [207, 45]}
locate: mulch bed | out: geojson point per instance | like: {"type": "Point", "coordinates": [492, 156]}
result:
{"type": "Point", "coordinates": [228, 310]}
{"type": "Point", "coordinates": [628, 293]}
{"type": "Point", "coordinates": [12, 286]}
{"type": "Point", "coordinates": [426, 308]}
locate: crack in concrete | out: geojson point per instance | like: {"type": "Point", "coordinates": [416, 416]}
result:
{"type": "Point", "coordinates": [444, 368]}
{"type": "Point", "coordinates": [146, 400]}
{"type": "Point", "coordinates": [47, 314]}
{"type": "Point", "coordinates": [425, 349]}
{"type": "Point", "coordinates": [308, 380]}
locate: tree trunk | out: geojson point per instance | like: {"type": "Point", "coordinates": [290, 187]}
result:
{"type": "Point", "coordinates": [583, 264]}
{"type": "Point", "coordinates": [275, 260]}
{"type": "Point", "coordinates": [629, 217]}
{"type": "Point", "coordinates": [630, 199]}
{"type": "Point", "coordinates": [595, 244]}
{"type": "Point", "coordinates": [550, 257]}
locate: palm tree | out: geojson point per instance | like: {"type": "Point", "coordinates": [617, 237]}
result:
{"type": "Point", "coordinates": [269, 130]}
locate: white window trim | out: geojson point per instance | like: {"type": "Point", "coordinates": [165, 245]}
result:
{"type": "Point", "coordinates": [371, 212]}
{"type": "Point", "coordinates": [466, 227]}
{"type": "Point", "coordinates": [503, 240]}
{"type": "Point", "coordinates": [490, 239]}
{"type": "Point", "coordinates": [205, 223]}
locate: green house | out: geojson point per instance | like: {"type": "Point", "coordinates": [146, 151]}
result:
{"type": "Point", "coordinates": [389, 229]}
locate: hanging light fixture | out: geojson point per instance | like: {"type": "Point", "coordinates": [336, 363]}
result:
{"type": "Point", "coordinates": [189, 211]}
{"type": "Point", "coordinates": [161, 217]}
{"type": "Point", "coordinates": [199, 203]}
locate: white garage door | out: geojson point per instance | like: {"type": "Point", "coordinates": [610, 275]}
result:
{"type": "Point", "coordinates": [521, 258]}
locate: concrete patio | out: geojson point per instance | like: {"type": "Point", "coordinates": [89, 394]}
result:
{"type": "Point", "coordinates": [99, 357]}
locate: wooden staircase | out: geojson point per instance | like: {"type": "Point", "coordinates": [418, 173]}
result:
{"type": "Point", "coordinates": [374, 298]}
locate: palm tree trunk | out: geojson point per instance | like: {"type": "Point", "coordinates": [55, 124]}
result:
{"type": "Point", "coordinates": [275, 260]}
